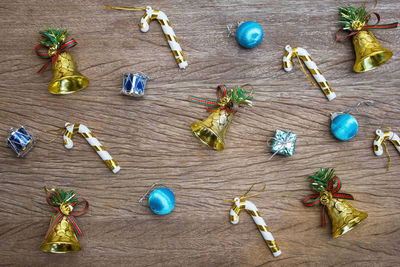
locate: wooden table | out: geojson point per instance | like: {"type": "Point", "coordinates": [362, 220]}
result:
{"type": "Point", "coordinates": [151, 138]}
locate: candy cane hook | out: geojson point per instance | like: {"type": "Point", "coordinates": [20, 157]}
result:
{"type": "Point", "coordinates": [381, 137]}
{"type": "Point", "coordinates": [259, 221]}
{"type": "Point", "coordinates": [152, 14]}
{"type": "Point", "coordinates": [72, 129]}
{"type": "Point", "coordinates": [303, 55]}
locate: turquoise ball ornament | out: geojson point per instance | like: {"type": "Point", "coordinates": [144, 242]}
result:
{"type": "Point", "coordinates": [344, 127]}
{"type": "Point", "coordinates": [249, 34]}
{"type": "Point", "coordinates": [161, 201]}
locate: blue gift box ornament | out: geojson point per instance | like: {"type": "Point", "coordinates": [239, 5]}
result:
{"type": "Point", "coordinates": [283, 143]}
{"type": "Point", "coordinates": [20, 140]}
{"type": "Point", "coordinates": [134, 84]}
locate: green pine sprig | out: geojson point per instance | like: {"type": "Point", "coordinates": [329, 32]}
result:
{"type": "Point", "coordinates": [63, 197]}
{"type": "Point", "coordinates": [53, 37]}
{"type": "Point", "coordinates": [321, 179]}
{"type": "Point", "coordinates": [240, 95]}
{"type": "Point", "coordinates": [349, 15]}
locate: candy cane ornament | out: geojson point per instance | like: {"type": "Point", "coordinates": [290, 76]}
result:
{"type": "Point", "coordinates": [303, 55]}
{"type": "Point", "coordinates": [249, 206]}
{"type": "Point", "coordinates": [169, 33]}
{"type": "Point", "coordinates": [72, 129]}
{"type": "Point", "coordinates": [381, 137]}
{"type": "Point", "coordinates": [152, 14]}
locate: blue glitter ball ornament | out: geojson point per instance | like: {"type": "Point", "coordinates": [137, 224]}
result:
{"type": "Point", "coordinates": [161, 201]}
{"type": "Point", "coordinates": [344, 127]}
{"type": "Point", "coordinates": [249, 34]}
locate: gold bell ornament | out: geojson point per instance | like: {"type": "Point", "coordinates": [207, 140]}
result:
{"type": "Point", "coordinates": [344, 217]}
{"type": "Point", "coordinates": [212, 130]}
{"type": "Point", "coordinates": [370, 54]}
{"type": "Point", "coordinates": [66, 78]}
{"type": "Point", "coordinates": [63, 229]}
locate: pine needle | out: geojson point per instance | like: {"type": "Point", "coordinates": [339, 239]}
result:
{"type": "Point", "coordinates": [53, 37]}
{"type": "Point", "coordinates": [321, 179]}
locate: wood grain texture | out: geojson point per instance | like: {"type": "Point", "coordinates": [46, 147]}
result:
{"type": "Point", "coordinates": [152, 141]}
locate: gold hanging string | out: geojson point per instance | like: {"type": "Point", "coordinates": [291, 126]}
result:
{"type": "Point", "coordinates": [389, 159]}
{"type": "Point", "coordinates": [372, 10]}
{"type": "Point", "coordinates": [387, 151]}
{"type": "Point", "coordinates": [248, 191]}
{"type": "Point", "coordinates": [248, 84]}
{"type": "Point", "coordinates": [255, 194]}
{"type": "Point", "coordinates": [386, 127]}
{"type": "Point", "coordinates": [58, 131]}
{"type": "Point", "coordinates": [125, 8]}
{"type": "Point", "coordinates": [303, 69]}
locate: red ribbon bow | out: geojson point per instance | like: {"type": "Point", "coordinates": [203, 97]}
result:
{"type": "Point", "coordinates": [52, 57]}
{"type": "Point", "coordinates": [60, 214]}
{"type": "Point", "coordinates": [225, 100]}
{"type": "Point", "coordinates": [334, 186]}
{"type": "Point", "coordinates": [366, 27]}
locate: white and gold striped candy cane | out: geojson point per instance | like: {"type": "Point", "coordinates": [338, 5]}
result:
{"type": "Point", "coordinates": [72, 129]}
{"type": "Point", "coordinates": [303, 55]}
{"type": "Point", "coordinates": [249, 206]}
{"type": "Point", "coordinates": [151, 14]}
{"type": "Point", "coordinates": [381, 137]}
{"type": "Point", "coordinates": [169, 33]}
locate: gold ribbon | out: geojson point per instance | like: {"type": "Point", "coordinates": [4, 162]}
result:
{"type": "Point", "coordinates": [387, 151]}
{"type": "Point", "coordinates": [301, 67]}
{"type": "Point", "coordinates": [59, 131]}
{"type": "Point", "coordinates": [248, 191]}
{"type": "Point", "coordinates": [125, 8]}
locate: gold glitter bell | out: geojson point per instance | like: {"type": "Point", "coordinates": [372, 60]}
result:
{"type": "Point", "coordinates": [63, 229]}
{"type": "Point", "coordinates": [61, 239]}
{"type": "Point", "coordinates": [370, 54]}
{"type": "Point", "coordinates": [66, 77]}
{"type": "Point", "coordinates": [212, 130]}
{"type": "Point", "coordinates": [344, 217]}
